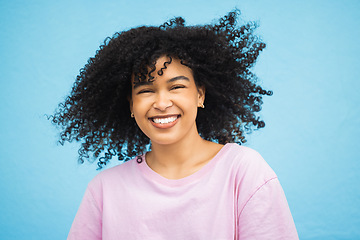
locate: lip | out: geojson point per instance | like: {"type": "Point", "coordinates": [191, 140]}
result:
{"type": "Point", "coordinates": [164, 125]}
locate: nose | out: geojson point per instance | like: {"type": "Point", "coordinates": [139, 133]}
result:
{"type": "Point", "coordinates": [162, 101]}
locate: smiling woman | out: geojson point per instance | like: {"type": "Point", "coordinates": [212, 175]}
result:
{"type": "Point", "coordinates": [194, 183]}
{"type": "Point", "coordinates": [165, 109]}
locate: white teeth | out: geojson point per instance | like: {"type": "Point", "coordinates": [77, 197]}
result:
{"type": "Point", "coordinates": [164, 120]}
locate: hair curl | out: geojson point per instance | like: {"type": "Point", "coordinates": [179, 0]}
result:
{"type": "Point", "coordinates": [220, 55]}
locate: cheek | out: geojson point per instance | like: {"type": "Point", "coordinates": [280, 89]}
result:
{"type": "Point", "coordinates": [189, 104]}
{"type": "Point", "coordinates": [141, 106]}
{"type": "Point", "coordinates": [137, 107]}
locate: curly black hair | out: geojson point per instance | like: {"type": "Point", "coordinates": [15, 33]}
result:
{"type": "Point", "coordinates": [221, 56]}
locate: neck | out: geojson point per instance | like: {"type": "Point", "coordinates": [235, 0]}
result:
{"type": "Point", "coordinates": [182, 158]}
{"type": "Point", "coordinates": [177, 154]}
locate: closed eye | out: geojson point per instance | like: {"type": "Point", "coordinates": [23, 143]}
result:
{"type": "Point", "coordinates": [177, 87]}
{"type": "Point", "coordinates": [145, 91]}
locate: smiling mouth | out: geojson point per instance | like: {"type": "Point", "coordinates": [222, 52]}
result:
{"type": "Point", "coordinates": [164, 120]}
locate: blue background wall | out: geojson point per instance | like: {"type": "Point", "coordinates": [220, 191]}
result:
{"type": "Point", "coordinates": [312, 135]}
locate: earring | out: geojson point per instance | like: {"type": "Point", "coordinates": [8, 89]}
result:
{"type": "Point", "coordinates": [132, 115]}
{"type": "Point", "coordinates": [202, 105]}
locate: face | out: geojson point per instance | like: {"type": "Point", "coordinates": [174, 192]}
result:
{"type": "Point", "coordinates": [166, 108]}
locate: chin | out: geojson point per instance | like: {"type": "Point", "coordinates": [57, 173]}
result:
{"type": "Point", "coordinates": [163, 142]}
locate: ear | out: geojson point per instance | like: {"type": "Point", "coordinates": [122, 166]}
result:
{"type": "Point", "coordinates": [201, 95]}
{"type": "Point", "coordinates": [130, 102]}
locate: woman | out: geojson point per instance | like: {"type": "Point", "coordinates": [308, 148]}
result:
{"type": "Point", "coordinates": [176, 97]}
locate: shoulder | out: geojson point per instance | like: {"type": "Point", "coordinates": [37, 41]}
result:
{"type": "Point", "coordinates": [248, 165]}
{"type": "Point", "coordinates": [244, 157]}
{"type": "Point", "coordinates": [239, 151]}
{"type": "Point", "coordinates": [117, 174]}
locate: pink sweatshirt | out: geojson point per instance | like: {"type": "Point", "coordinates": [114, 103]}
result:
{"type": "Point", "coordinates": [235, 196]}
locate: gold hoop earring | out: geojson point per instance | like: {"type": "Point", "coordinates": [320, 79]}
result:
{"type": "Point", "coordinates": [132, 115]}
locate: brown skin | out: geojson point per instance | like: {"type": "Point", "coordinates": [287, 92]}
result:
{"type": "Point", "coordinates": [165, 110]}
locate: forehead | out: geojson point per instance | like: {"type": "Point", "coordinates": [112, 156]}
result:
{"type": "Point", "coordinates": [164, 68]}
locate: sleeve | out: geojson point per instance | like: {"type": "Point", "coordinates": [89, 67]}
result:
{"type": "Point", "coordinates": [266, 215]}
{"type": "Point", "coordinates": [88, 220]}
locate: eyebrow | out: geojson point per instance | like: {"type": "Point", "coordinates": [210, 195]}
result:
{"type": "Point", "coordinates": [138, 84]}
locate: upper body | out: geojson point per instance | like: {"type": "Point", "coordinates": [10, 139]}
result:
{"type": "Point", "coordinates": [148, 88]}
{"type": "Point", "coordinates": [236, 195]}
